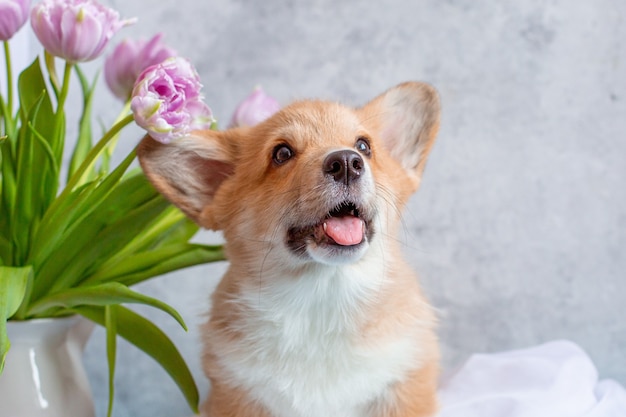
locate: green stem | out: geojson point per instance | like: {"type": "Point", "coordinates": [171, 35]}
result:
{"type": "Point", "coordinates": [93, 154]}
{"type": "Point", "coordinates": [6, 117]}
{"type": "Point", "coordinates": [58, 133]}
{"type": "Point", "coordinates": [7, 58]}
{"type": "Point", "coordinates": [108, 152]}
{"type": "Point", "coordinates": [7, 106]}
{"type": "Point", "coordinates": [52, 71]}
{"type": "Point", "coordinates": [110, 323]}
{"type": "Point", "coordinates": [64, 88]}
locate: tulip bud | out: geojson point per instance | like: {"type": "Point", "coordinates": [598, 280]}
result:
{"type": "Point", "coordinates": [129, 59]}
{"type": "Point", "coordinates": [13, 15]}
{"type": "Point", "coordinates": [257, 107]}
{"type": "Point", "coordinates": [166, 100]}
{"type": "Point", "coordinates": [75, 30]}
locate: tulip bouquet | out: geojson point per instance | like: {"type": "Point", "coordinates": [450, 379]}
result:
{"type": "Point", "coordinates": [77, 248]}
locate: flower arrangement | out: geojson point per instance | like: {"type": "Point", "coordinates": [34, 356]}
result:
{"type": "Point", "coordinates": [77, 249]}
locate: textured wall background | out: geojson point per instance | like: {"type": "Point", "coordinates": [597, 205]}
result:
{"type": "Point", "coordinates": [519, 230]}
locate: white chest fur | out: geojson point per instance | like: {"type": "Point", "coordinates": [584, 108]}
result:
{"type": "Point", "coordinates": [303, 354]}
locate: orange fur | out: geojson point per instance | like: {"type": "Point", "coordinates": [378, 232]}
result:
{"type": "Point", "coordinates": [313, 303]}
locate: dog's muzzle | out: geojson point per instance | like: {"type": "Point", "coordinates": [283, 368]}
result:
{"type": "Point", "coordinates": [346, 225]}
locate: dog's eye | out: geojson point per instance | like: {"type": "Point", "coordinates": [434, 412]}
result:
{"type": "Point", "coordinates": [282, 153]}
{"type": "Point", "coordinates": [362, 145]}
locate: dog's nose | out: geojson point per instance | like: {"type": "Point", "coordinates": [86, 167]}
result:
{"type": "Point", "coordinates": [344, 166]}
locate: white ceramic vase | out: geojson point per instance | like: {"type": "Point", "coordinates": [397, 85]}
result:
{"type": "Point", "coordinates": [44, 374]}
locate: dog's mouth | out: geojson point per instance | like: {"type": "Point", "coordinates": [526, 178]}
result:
{"type": "Point", "coordinates": [345, 226]}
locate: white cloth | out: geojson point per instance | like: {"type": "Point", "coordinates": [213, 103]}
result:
{"type": "Point", "coordinates": [557, 379]}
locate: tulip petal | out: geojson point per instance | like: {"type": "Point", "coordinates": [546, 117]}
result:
{"type": "Point", "coordinates": [80, 35]}
{"type": "Point", "coordinates": [13, 15]}
{"type": "Point", "coordinates": [166, 100]}
{"type": "Point", "coordinates": [75, 30]}
{"type": "Point", "coordinates": [257, 107]}
{"type": "Point", "coordinates": [119, 72]}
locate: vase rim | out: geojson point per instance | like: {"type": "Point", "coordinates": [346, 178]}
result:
{"type": "Point", "coordinates": [40, 326]}
{"type": "Point", "coordinates": [45, 319]}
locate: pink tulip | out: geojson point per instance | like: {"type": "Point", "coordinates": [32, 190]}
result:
{"type": "Point", "coordinates": [166, 100]}
{"type": "Point", "coordinates": [257, 107]}
{"type": "Point", "coordinates": [129, 59]}
{"type": "Point", "coordinates": [75, 30]}
{"type": "Point", "coordinates": [13, 15]}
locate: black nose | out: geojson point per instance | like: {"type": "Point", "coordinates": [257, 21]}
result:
{"type": "Point", "coordinates": [344, 166]}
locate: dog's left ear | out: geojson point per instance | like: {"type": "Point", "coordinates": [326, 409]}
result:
{"type": "Point", "coordinates": [406, 118]}
{"type": "Point", "coordinates": [190, 170]}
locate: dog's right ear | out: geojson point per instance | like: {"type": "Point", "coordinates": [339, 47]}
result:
{"type": "Point", "coordinates": [189, 171]}
{"type": "Point", "coordinates": [406, 118]}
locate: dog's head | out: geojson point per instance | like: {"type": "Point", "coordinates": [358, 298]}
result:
{"type": "Point", "coordinates": [315, 182]}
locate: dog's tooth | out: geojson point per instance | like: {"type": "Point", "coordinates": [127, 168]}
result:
{"type": "Point", "coordinates": [325, 226]}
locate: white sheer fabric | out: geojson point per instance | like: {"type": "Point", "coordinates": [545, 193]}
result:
{"type": "Point", "coordinates": [557, 379]}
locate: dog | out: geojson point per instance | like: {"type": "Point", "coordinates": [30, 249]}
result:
{"type": "Point", "coordinates": [318, 315]}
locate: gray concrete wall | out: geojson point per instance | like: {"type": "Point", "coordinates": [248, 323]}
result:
{"type": "Point", "coordinates": [519, 230]}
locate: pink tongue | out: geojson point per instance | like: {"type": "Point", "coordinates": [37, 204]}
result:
{"type": "Point", "coordinates": [346, 231]}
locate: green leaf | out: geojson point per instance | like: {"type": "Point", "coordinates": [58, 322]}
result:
{"type": "Point", "coordinates": [53, 224]}
{"type": "Point", "coordinates": [169, 231]}
{"type": "Point", "coordinates": [32, 88]}
{"type": "Point", "coordinates": [35, 177]}
{"type": "Point", "coordinates": [172, 226]}
{"type": "Point", "coordinates": [84, 141]}
{"type": "Point", "coordinates": [5, 250]}
{"type": "Point", "coordinates": [92, 156]}
{"type": "Point", "coordinates": [31, 85]}
{"type": "Point", "coordinates": [151, 340]}
{"type": "Point", "coordinates": [106, 294]}
{"type": "Point", "coordinates": [69, 211]}
{"type": "Point", "coordinates": [181, 231]}
{"type": "Point", "coordinates": [13, 285]}
{"type": "Point", "coordinates": [84, 83]}
{"type": "Point", "coordinates": [119, 266]}
{"type": "Point", "coordinates": [29, 172]}
{"type": "Point", "coordinates": [110, 239]}
{"type": "Point", "coordinates": [8, 198]}
{"type": "Point", "coordinates": [5, 114]}
{"type": "Point", "coordinates": [70, 231]}
{"type": "Point", "coordinates": [195, 255]}
{"type": "Point", "coordinates": [46, 149]}
{"type": "Point", "coordinates": [57, 138]}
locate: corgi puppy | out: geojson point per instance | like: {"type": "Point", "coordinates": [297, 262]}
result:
{"type": "Point", "coordinates": [318, 314]}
